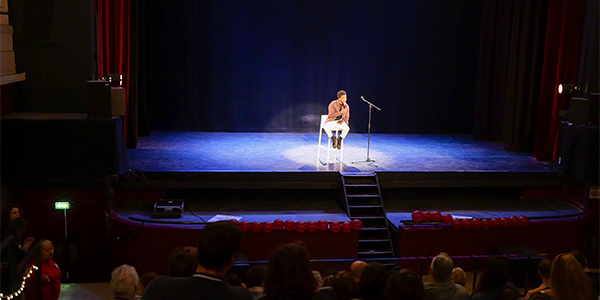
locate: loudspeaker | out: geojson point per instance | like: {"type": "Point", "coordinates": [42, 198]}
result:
{"type": "Point", "coordinates": [584, 111]}
{"type": "Point", "coordinates": [99, 102]}
{"type": "Point", "coordinates": [168, 209]}
{"type": "Point", "coordinates": [579, 151]}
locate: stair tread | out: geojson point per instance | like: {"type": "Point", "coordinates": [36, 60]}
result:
{"type": "Point", "coordinates": [374, 240]}
{"type": "Point", "coordinates": [374, 252]}
{"type": "Point", "coordinates": [370, 218]}
{"type": "Point", "coordinates": [373, 228]}
{"type": "Point", "coordinates": [362, 195]}
{"type": "Point", "coordinates": [364, 206]}
{"type": "Point", "coordinates": [361, 184]}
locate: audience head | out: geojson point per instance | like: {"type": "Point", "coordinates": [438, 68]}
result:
{"type": "Point", "coordinates": [580, 257]}
{"type": "Point", "coordinates": [10, 213]}
{"type": "Point", "coordinates": [344, 286]}
{"type": "Point", "coordinates": [331, 272]}
{"type": "Point", "coordinates": [569, 281]}
{"type": "Point", "coordinates": [545, 268]}
{"type": "Point", "coordinates": [373, 280]}
{"type": "Point", "coordinates": [46, 249]}
{"type": "Point", "coordinates": [183, 262]}
{"type": "Point", "coordinates": [328, 280]}
{"type": "Point", "coordinates": [233, 279]}
{"type": "Point", "coordinates": [255, 276]}
{"type": "Point", "coordinates": [441, 267]}
{"type": "Point", "coordinates": [289, 274]}
{"type": "Point", "coordinates": [146, 278]}
{"type": "Point", "coordinates": [357, 268]}
{"type": "Point", "coordinates": [17, 228]}
{"type": "Point", "coordinates": [124, 281]}
{"type": "Point", "coordinates": [495, 274]}
{"type": "Point", "coordinates": [405, 284]}
{"type": "Point", "coordinates": [217, 245]}
{"type": "Point", "coordinates": [459, 276]}
{"type": "Point", "coordinates": [318, 278]}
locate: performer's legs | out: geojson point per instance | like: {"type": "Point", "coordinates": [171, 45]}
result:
{"type": "Point", "coordinates": [328, 127]}
{"type": "Point", "coordinates": [334, 125]}
{"type": "Point", "coordinates": [345, 129]}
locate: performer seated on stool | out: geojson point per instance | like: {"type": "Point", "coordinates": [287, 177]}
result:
{"type": "Point", "coordinates": [339, 115]}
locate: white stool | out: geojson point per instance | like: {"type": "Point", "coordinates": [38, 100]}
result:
{"type": "Point", "coordinates": [336, 133]}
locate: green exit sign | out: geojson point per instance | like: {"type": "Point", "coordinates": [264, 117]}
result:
{"type": "Point", "coordinates": [62, 205]}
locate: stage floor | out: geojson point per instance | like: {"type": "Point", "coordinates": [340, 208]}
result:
{"type": "Point", "coordinates": [252, 151]}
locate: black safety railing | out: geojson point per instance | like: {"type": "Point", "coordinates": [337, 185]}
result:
{"type": "Point", "coordinates": [15, 268]}
{"type": "Point", "coordinates": [421, 259]}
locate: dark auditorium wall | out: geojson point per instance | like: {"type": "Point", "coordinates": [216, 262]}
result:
{"type": "Point", "coordinates": [275, 65]}
{"type": "Point", "coordinates": [54, 45]}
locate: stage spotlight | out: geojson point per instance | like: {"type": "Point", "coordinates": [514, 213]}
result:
{"type": "Point", "coordinates": [566, 88]}
{"type": "Point", "coordinates": [115, 80]}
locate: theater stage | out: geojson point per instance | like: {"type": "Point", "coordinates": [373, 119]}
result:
{"type": "Point", "coordinates": [205, 166]}
{"type": "Point", "coordinates": [262, 177]}
{"type": "Point", "coordinates": [291, 152]}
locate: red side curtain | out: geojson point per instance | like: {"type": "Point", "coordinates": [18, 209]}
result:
{"type": "Point", "coordinates": [113, 41]}
{"type": "Point", "coordinates": [561, 63]}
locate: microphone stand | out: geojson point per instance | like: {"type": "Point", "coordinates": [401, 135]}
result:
{"type": "Point", "coordinates": [369, 160]}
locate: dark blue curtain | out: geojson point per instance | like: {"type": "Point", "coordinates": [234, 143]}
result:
{"type": "Point", "coordinates": [258, 65]}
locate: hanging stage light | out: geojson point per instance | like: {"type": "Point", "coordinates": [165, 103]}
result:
{"type": "Point", "coordinates": [566, 88]}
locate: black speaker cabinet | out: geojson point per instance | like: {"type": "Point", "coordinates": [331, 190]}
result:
{"type": "Point", "coordinates": [579, 151]}
{"type": "Point", "coordinates": [99, 99]}
{"type": "Point", "coordinates": [584, 111]}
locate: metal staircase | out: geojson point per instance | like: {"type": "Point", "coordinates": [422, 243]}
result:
{"type": "Point", "coordinates": [363, 202]}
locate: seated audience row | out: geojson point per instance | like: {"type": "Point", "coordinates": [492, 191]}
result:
{"type": "Point", "coordinates": [288, 275]}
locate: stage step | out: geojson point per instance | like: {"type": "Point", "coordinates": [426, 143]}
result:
{"type": "Point", "coordinates": [361, 185]}
{"type": "Point", "coordinates": [363, 202]}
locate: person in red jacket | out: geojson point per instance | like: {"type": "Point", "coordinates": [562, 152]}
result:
{"type": "Point", "coordinates": [50, 275]}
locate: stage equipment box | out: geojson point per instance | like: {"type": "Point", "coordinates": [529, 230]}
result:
{"type": "Point", "coordinates": [168, 209]}
{"type": "Point", "coordinates": [585, 111]}
{"type": "Point", "coordinates": [105, 101]}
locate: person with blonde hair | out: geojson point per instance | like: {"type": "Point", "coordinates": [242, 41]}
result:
{"type": "Point", "coordinates": [124, 281]}
{"type": "Point", "coordinates": [568, 281]}
{"type": "Point", "coordinates": [459, 276]}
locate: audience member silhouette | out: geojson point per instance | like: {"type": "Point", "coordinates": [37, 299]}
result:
{"type": "Point", "coordinates": [183, 262]}
{"type": "Point", "coordinates": [124, 282]}
{"type": "Point", "coordinates": [568, 281]}
{"type": "Point", "coordinates": [50, 278]}
{"type": "Point", "coordinates": [495, 282]}
{"type": "Point", "coordinates": [146, 278]}
{"type": "Point", "coordinates": [254, 279]}
{"type": "Point", "coordinates": [544, 270]}
{"type": "Point", "coordinates": [594, 276]}
{"type": "Point", "coordinates": [441, 286]}
{"type": "Point", "coordinates": [289, 275]}
{"type": "Point", "coordinates": [217, 245]}
{"type": "Point", "coordinates": [357, 268]}
{"type": "Point", "coordinates": [405, 284]}
{"type": "Point", "coordinates": [8, 215]}
{"type": "Point", "coordinates": [344, 286]}
{"type": "Point", "coordinates": [459, 276]}
{"type": "Point", "coordinates": [372, 281]}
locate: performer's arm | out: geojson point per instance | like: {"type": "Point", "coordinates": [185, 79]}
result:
{"type": "Point", "coordinates": [334, 111]}
{"type": "Point", "coordinates": [347, 115]}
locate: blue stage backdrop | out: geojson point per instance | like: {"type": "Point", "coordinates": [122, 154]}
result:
{"type": "Point", "coordinates": [258, 65]}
